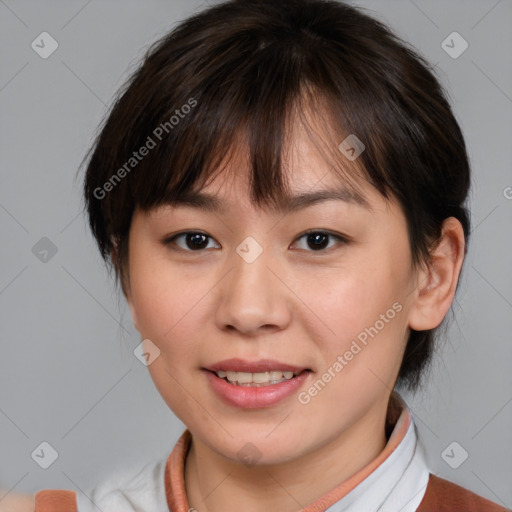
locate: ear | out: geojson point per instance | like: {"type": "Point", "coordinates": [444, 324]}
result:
{"type": "Point", "coordinates": [437, 281]}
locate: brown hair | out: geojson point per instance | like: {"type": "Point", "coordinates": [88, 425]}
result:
{"type": "Point", "coordinates": [242, 67]}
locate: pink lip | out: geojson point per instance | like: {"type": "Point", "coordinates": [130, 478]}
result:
{"type": "Point", "coordinates": [262, 365]}
{"type": "Point", "coordinates": [254, 397]}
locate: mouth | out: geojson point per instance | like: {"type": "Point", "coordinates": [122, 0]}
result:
{"type": "Point", "coordinates": [258, 384]}
{"type": "Point", "coordinates": [258, 379]}
{"type": "Point", "coordinates": [264, 372]}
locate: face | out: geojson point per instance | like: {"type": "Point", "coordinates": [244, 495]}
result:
{"type": "Point", "coordinates": [334, 302]}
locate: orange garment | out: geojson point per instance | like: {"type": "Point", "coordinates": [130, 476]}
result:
{"type": "Point", "coordinates": [56, 501]}
{"type": "Point", "coordinates": [440, 495]}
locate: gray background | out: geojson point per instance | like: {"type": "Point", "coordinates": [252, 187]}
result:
{"type": "Point", "coordinates": [67, 372]}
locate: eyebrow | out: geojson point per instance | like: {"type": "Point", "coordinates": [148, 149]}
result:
{"type": "Point", "coordinates": [209, 202]}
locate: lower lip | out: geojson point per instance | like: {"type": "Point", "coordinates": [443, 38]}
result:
{"type": "Point", "coordinates": [254, 397]}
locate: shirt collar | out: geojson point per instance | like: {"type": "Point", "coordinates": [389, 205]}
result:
{"type": "Point", "coordinates": [399, 425]}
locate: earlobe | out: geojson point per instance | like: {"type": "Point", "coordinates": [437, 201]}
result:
{"type": "Point", "coordinates": [437, 282]}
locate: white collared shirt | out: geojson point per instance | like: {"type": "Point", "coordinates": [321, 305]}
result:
{"type": "Point", "coordinates": [398, 484]}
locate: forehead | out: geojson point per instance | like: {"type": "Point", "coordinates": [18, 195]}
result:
{"type": "Point", "coordinates": [218, 202]}
{"type": "Point", "coordinates": [313, 169]}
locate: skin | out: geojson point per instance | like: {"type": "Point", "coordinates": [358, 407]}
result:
{"type": "Point", "coordinates": [16, 502]}
{"type": "Point", "coordinates": [294, 304]}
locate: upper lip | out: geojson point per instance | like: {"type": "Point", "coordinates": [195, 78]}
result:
{"type": "Point", "coordinates": [262, 365]}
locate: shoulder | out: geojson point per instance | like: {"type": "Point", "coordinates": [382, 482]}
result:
{"type": "Point", "coordinates": [55, 500]}
{"type": "Point", "coordinates": [128, 490]}
{"type": "Point", "coordinates": [444, 496]}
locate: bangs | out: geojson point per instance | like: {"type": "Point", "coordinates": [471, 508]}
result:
{"type": "Point", "coordinates": [202, 94]}
{"type": "Point", "coordinates": [195, 102]}
{"type": "Point", "coordinates": [235, 117]}
{"type": "Point", "coordinates": [240, 78]}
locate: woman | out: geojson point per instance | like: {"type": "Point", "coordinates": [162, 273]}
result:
{"type": "Point", "coordinates": [281, 191]}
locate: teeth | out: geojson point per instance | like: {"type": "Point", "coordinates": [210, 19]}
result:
{"type": "Point", "coordinates": [245, 378]}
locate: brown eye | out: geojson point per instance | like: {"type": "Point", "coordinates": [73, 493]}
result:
{"type": "Point", "coordinates": [317, 240]}
{"type": "Point", "coordinates": [194, 241]}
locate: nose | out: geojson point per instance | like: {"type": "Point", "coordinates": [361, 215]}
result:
{"type": "Point", "coordinates": [254, 298]}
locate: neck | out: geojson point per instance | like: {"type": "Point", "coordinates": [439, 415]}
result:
{"type": "Point", "coordinates": [214, 483]}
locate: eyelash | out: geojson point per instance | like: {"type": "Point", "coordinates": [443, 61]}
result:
{"type": "Point", "coordinates": [170, 241]}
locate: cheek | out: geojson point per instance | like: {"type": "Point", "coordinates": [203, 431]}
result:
{"type": "Point", "coordinates": [171, 307]}
{"type": "Point", "coordinates": [354, 300]}
{"type": "Point", "coordinates": [162, 298]}
{"type": "Point", "coordinates": [362, 317]}
{"type": "Point", "coordinates": [165, 310]}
